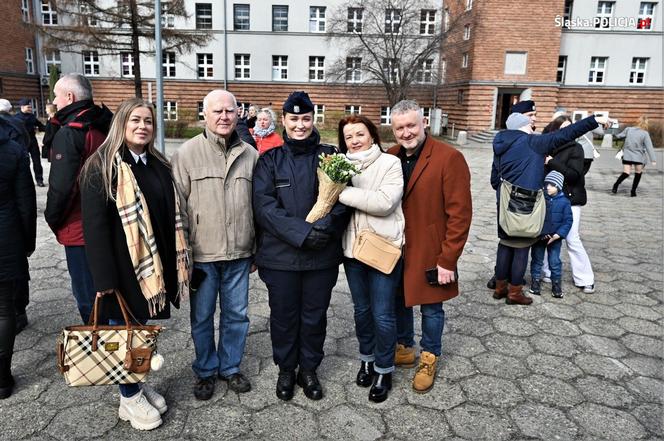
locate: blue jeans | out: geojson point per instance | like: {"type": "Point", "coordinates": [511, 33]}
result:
{"type": "Point", "coordinates": [537, 255]}
{"type": "Point", "coordinates": [433, 322]}
{"type": "Point", "coordinates": [81, 280]}
{"type": "Point", "coordinates": [373, 295]}
{"type": "Point", "coordinates": [228, 280]}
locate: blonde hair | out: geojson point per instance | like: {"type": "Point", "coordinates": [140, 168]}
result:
{"type": "Point", "coordinates": [50, 109]}
{"type": "Point", "coordinates": [103, 160]}
{"type": "Point", "coordinates": [642, 122]}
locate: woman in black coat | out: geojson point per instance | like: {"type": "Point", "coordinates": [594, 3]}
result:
{"type": "Point", "coordinates": [18, 231]}
{"type": "Point", "coordinates": [127, 163]}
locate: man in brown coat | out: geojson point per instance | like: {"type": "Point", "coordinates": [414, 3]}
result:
{"type": "Point", "coordinates": [437, 207]}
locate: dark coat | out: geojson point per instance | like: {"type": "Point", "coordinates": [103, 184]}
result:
{"type": "Point", "coordinates": [558, 218]}
{"type": "Point", "coordinates": [437, 207]}
{"type": "Point", "coordinates": [106, 243]}
{"type": "Point", "coordinates": [16, 130]}
{"type": "Point", "coordinates": [63, 200]}
{"type": "Point", "coordinates": [52, 126]}
{"type": "Point", "coordinates": [31, 124]}
{"type": "Point", "coordinates": [18, 207]}
{"type": "Point", "coordinates": [285, 190]}
{"type": "Point", "coordinates": [568, 160]}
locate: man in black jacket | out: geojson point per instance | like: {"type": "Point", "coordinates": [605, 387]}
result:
{"type": "Point", "coordinates": [31, 123]}
{"type": "Point", "coordinates": [80, 120]}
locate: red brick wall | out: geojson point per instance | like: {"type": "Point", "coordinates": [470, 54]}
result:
{"type": "Point", "coordinates": [17, 37]}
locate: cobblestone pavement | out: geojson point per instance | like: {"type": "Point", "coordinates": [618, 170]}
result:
{"type": "Point", "coordinates": [583, 367]}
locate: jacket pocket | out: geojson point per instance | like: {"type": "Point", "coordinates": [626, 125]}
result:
{"type": "Point", "coordinates": [243, 212]}
{"type": "Point", "coordinates": [206, 207]}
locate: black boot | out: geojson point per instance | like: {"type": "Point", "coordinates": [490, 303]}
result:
{"type": "Point", "coordinates": [285, 385]}
{"type": "Point", "coordinates": [621, 178]}
{"type": "Point", "coordinates": [556, 289]}
{"type": "Point", "coordinates": [491, 284]}
{"type": "Point", "coordinates": [635, 184]}
{"type": "Point", "coordinates": [365, 374]}
{"type": "Point", "coordinates": [6, 379]}
{"type": "Point", "coordinates": [308, 381]}
{"type": "Point", "coordinates": [382, 384]}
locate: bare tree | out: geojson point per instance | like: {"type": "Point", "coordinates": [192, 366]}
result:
{"type": "Point", "coordinates": [116, 26]}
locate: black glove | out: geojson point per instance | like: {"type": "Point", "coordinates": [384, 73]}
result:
{"type": "Point", "coordinates": [317, 239]}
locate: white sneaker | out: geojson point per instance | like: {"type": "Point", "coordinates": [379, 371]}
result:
{"type": "Point", "coordinates": [139, 412]}
{"type": "Point", "coordinates": [589, 289]}
{"type": "Point", "coordinates": [157, 400]}
{"type": "Point", "coordinates": [546, 279]}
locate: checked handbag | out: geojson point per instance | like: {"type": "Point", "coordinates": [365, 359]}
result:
{"type": "Point", "coordinates": [94, 354]}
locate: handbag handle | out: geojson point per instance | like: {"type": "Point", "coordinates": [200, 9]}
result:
{"type": "Point", "coordinates": [124, 309]}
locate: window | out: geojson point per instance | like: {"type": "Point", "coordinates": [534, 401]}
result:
{"type": "Point", "coordinates": [168, 64]}
{"type": "Point", "coordinates": [205, 66]}
{"type": "Point", "coordinates": [316, 68]}
{"type": "Point", "coordinates": [597, 69]}
{"type": "Point", "coordinates": [352, 110]}
{"type": "Point", "coordinates": [167, 19]}
{"type": "Point", "coordinates": [49, 16]}
{"type": "Point", "coordinates": [515, 63]}
{"type": "Point", "coordinates": [385, 116]}
{"type": "Point", "coordinates": [424, 73]}
{"type": "Point", "coordinates": [241, 17]}
{"type": "Point", "coordinates": [203, 15]}
{"type": "Point", "coordinates": [392, 21]}
{"type": "Point", "coordinates": [317, 19]}
{"type": "Point", "coordinates": [466, 32]}
{"type": "Point", "coordinates": [127, 62]}
{"type": "Point", "coordinates": [355, 16]}
{"type": "Point", "coordinates": [427, 21]}
{"type": "Point", "coordinates": [319, 113]}
{"type": "Point", "coordinates": [562, 67]}
{"type": "Point", "coordinates": [242, 66]}
{"type": "Point", "coordinates": [29, 61]}
{"type": "Point", "coordinates": [279, 18]}
{"type": "Point", "coordinates": [426, 113]}
{"type": "Point", "coordinates": [646, 15]}
{"type": "Point", "coordinates": [464, 60]}
{"type": "Point", "coordinates": [604, 13]}
{"type": "Point", "coordinates": [171, 110]}
{"type": "Point", "coordinates": [353, 69]}
{"type": "Point", "coordinates": [87, 16]}
{"type": "Point", "coordinates": [460, 95]}
{"type": "Point", "coordinates": [443, 70]}
{"type": "Point", "coordinates": [567, 12]}
{"type": "Point", "coordinates": [446, 20]}
{"type": "Point", "coordinates": [201, 115]}
{"type": "Point", "coordinates": [25, 10]}
{"type": "Point", "coordinates": [279, 67]}
{"type": "Point", "coordinates": [91, 63]}
{"type": "Point", "coordinates": [637, 74]}
{"type": "Point", "coordinates": [469, 5]}
{"type": "Point", "coordinates": [52, 60]}
{"type": "Point", "coordinates": [391, 70]}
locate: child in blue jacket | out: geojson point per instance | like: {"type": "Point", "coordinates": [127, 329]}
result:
{"type": "Point", "coordinates": [557, 224]}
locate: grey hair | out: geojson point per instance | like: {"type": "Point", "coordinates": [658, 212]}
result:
{"type": "Point", "coordinates": [404, 106]}
{"type": "Point", "coordinates": [77, 84]}
{"type": "Point", "coordinates": [214, 92]}
{"type": "Point", "coordinates": [269, 112]}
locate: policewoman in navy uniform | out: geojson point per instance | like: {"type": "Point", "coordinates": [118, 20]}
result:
{"type": "Point", "coordinates": [297, 260]}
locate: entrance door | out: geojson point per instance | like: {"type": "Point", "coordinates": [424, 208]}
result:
{"type": "Point", "coordinates": [505, 99]}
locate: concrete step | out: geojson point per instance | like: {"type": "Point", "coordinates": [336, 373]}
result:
{"type": "Point", "coordinates": [485, 136]}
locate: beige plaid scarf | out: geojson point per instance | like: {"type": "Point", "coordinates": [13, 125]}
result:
{"type": "Point", "coordinates": [141, 242]}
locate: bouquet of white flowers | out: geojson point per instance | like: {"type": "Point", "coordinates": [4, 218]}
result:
{"type": "Point", "coordinates": [334, 172]}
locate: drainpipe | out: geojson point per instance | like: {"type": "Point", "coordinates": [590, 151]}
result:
{"type": "Point", "coordinates": [225, 47]}
{"type": "Point", "coordinates": [159, 76]}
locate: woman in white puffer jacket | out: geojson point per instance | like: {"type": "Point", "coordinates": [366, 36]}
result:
{"type": "Point", "coordinates": [376, 196]}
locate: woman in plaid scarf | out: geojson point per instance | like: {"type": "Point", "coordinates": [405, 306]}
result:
{"type": "Point", "coordinates": [133, 236]}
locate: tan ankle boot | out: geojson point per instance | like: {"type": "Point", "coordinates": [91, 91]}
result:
{"type": "Point", "coordinates": [515, 296]}
{"type": "Point", "coordinates": [501, 289]}
{"type": "Point", "coordinates": [404, 356]}
{"type": "Point", "coordinates": [426, 373]}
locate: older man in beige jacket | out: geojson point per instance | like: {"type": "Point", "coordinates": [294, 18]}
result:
{"type": "Point", "coordinates": [214, 172]}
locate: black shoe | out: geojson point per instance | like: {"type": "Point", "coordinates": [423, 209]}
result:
{"type": "Point", "coordinates": [365, 374]}
{"type": "Point", "coordinates": [285, 385]}
{"type": "Point", "coordinates": [237, 383]}
{"type": "Point", "coordinates": [8, 387]}
{"type": "Point", "coordinates": [308, 381]}
{"type": "Point", "coordinates": [632, 194]}
{"type": "Point", "coordinates": [535, 287]}
{"type": "Point", "coordinates": [614, 190]}
{"type": "Point", "coordinates": [491, 284]}
{"type": "Point", "coordinates": [382, 384]}
{"type": "Point", "coordinates": [204, 388]}
{"type": "Point", "coordinates": [21, 322]}
{"type": "Point", "coordinates": [556, 290]}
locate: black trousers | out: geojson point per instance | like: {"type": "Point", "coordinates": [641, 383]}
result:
{"type": "Point", "coordinates": [36, 161]}
{"type": "Point", "coordinates": [7, 318]}
{"type": "Point", "coordinates": [22, 295]}
{"type": "Point", "coordinates": [298, 315]}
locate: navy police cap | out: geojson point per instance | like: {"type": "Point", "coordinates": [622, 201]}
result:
{"type": "Point", "coordinates": [523, 107]}
{"type": "Point", "coordinates": [298, 103]}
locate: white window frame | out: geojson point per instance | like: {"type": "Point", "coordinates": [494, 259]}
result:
{"type": "Point", "coordinates": [317, 68]}
{"type": "Point", "coordinates": [522, 56]}
{"type": "Point", "coordinates": [464, 60]}
{"type": "Point", "coordinates": [48, 15]}
{"type": "Point", "coordinates": [646, 17]}
{"type": "Point", "coordinates": [167, 19]}
{"type": "Point", "coordinates": [317, 20]}
{"type": "Point", "coordinates": [427, 21]}
{"type": "Point", "coordinates": [469, 5]}
{"type": "Point", "coordinates": [604, 10]}
{"type": "Point", "coordinates": [466, 32]}
{"type": "Point", "coordinates": [168, 64]}
{"type": "Point", "coordinates": [426, 113]}
{"type": "Point", "coordinates": [170, 110]}
{"type": "Point", "coordinates": [29, 60]}
{"type": "Point", "coordinates": [278, 22]}
{"type": "Point", "coordinates": [352, 109]}
{"type": "Point", "coordinates": [567, 12]}
{"type": "Point", "coordinates": [446, 19]}
{"type": "Point", "coordinates": [239, 19]}
{"type": "Point", "coordinates": [25, 11]}
{"type": "Point", "coordinates": [205, 61]}
{"type": "Point", "coordinates": [390, 70]}
{"type": "Point", "coordinates": [385, 115]}
{"type": "Point", "coordinates": [91, 63]}
{"type": "Point", "coordinates": [319, 113]}
{"type": "Point", "coordinates": [595, 69]}
{"type": "Point", "coordinates": [638, 68]}
{"type": "Point", "coordinates": [279, 67]}
{"type": "Point", "coordinates": [425, 73]}
{"type": "Point", "coordinates": [242, 65]}
{"type": "Point", "coordinates": [127, 64]}
{"type": "Point", "coordinates": [52, 59]}
{"type": "Point", "coordinates": [355, 20]}
{"type": "Point", "coordinates": [443, 70]}
{"type": "Point", "coordinates": [200, 113]}
{"type": "Point", "coordinates": [203, 18]}
{"type": "Point", "coordinates": [561, 70]}
{"type": "Point", "coordinates": [353, 70]}
{"type": "Point", "coordinates": [393, 20]}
